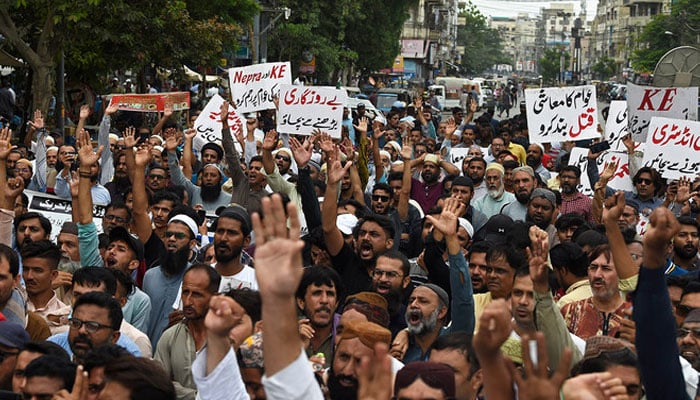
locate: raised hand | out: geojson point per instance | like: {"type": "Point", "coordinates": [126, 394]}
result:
{"type": "Point", "coordinates": [326, 143]}
{"type": "Point", "coordinates": [537, 258]}
{"type": "Point", "coordinates": [406, 151]}
{"type": "Point", "coordinates": [614, 207]}
{"type": "Point", "coordinates": [535, 383]}
{"type": "Point", "coordinates": [362, 125]}
{"type": "Point", "coordinates": [374, 375]}
{"type": "Point", "coordinates": [609, 170]}
{"type": "Point", "coordinates": [224, 313]}
{"type": "Point", "coordinates": [190, 134]}
{"type": "Point", "coordinates": [74, 185]}
{"type": "Point", "coordinates": [662, 226]}
{"type": "Point", "coordinates": [5, 143]}
{"type": "Point", "coordinates": [224, 113]}
{"type": "Point", "coordinates": [447, 223]}
{"type": "Point", "coordinates": [335, 169]}
{"type": "Point", "coordinates": [38, 121]}
{"type": "Point", "coordinates": [111, 108]}
{"type": "Point", "coordinates": [594, 386]}
{"type": "Point", "coordinates": [451, 126]}
{"type": "Point", "coordinates": [84, 111]}
{"type": "Point", "coordinates": [683, 192]}
{"type": "Point", "coordinates": [301, 152]}
{"type": "Point", "coordinates": [130, 139]}
{"type": "Point", "coordinates": [306, 331]}
{"type": "Point", "coordinates": [88, 157]}
{"type": "Point", "coordinates": [143, 155]}
{"type": "Point", "coordinates": [171, 141]}
{"type": "Point", "coordinates": [628, 142]}
{"type": "Point", "coordinates": [278, 262]}
{"type": "Point", "coordinates": [270, 140]}
{"type": "Point", "coordinates": [80, 387]}
{"type": "Point", "coordinates": [13, 188]}
{"type": "Point", "coordinates": [167, 110]}
{"type": "Point", "coordinates": [494, 328]}
{"type": "Point", "coordinates": [418, 102]}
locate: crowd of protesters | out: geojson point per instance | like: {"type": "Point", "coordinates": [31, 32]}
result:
{"type": "Point", "coordinates": [274, 266]}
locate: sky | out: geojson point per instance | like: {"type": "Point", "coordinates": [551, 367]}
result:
{"type": "Point", "coordinates": [504, 8]}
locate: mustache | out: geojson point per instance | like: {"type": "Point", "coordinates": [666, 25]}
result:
{"type": "Point", "coordinates": [324, 308]}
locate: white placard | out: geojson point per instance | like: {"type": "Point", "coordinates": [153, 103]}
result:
{"type": "Point", "coordinates": [304, 109]}
{"type": "Point", "coordinates": [253, 87]}
{"type": "Point", "coordinates": [616, 125]}
{"type": "Point", "coordinates": [561, 114]}
{"type": "Point", "coordinates": [644, 102]}
{"type": "Point", "coordinates": [620, 181]}
{"type": "Point", "coordinates": [457, 156]}
{"type": "Point", "coordinates": [208, 124]}
{"type": "Point", "coordinates": [673, 147]}
{"type": "Point", "coordinates": [58, 210]}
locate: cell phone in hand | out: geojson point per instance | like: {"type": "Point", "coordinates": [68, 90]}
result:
{"type": "Point", "coordinates": [600, 147]}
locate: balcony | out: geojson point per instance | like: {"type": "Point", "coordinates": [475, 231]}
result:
{"type": "Point", "coordinates": [629, 3]}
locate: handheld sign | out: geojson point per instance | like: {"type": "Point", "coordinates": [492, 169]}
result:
{"type": "Point", "coordinates": [644, 102]}
{"type": "Point", "coordinates": [208, 124]}
{"type": "Point", "coordinates": [253, 87]}
{"type": "Point", "coordinates": [59, 210]}
{"type": "Point", "coordinates": [616, 125]}
{"type": "Point", "coordinates": [561, 114]}
{"type": "Point", "coordinates": [151, 102]}
{"type": "Point", "coordinates": [303, 109]}
{"type": "Point", "coordinates": [620, 181]}
{"type": "Point", "coordinates": [673, 147]}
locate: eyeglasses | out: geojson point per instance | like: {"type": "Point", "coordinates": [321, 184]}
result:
{"type": "Point", "coordinates": [419, 151]}
{"type": "Point", "coordinates": [178, 235]}
{"type": "Point", "coordinates": [156, 177]}
{"type": "Point", "coordinates": [116, 219]}
{"type": "Point", "coordinates": [7, 354]}
{"type": "Point", "coordinates": [90, 326]}
{"type": "Point", "coordinates": [683, 310]}
{"type": "Point", "coordinates": [378, 197]}
{"type": "Point", "coordinates": [683, 332]}
{"type": "Point", "coordinates": [378, 273]}
{"type": "Point", "coordinates": [644, 181]}
{"type": "Point", "coordinates": [283, 158]}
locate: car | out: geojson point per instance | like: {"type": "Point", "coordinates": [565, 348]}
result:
{"type": "Point", "coordinates": [370, 110]}
{"type": "Point", "coordinates": [386, 97]}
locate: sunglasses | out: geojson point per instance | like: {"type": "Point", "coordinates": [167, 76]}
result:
{"type": "Point", "coordinates": [683, 332]}
{"type": "Point", "coordinates": [156, 177]}
{"type": "Point", "coordinates": [283, 158]}
{"type": "Point", "coordinates": [178, 235]}
{"type": "Point", "coordinates": [377, 197]}
{"type": "Point", "coordinates": [644, 181]}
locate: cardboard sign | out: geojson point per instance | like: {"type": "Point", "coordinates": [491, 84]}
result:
{"type": "Point", "coordinates": [208, 124]}
{"type": "Point", "coordinates": [58, 210]}
{"type": "Point", "coordinates": [304, 109]}
{"type": "Point", "coordinates": [616, 125]}
{"type": "Point", "coordinates": [644, 102]}
{"type": "Point", "coordinates": [457, 156]}
{"type": "Point", "coordinates": [253, 87]}
{"type": "Point", "coordinates": [561, 114]}
{"type": "Point", "coordinates": [673, 147]}
{"type": "Point", "coordinates": [151, 102]}
{"type": "Point", "coordinates": [620, 181]}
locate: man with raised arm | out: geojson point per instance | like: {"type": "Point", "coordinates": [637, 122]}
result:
{"type": "Point", "coordinates": [279, 271]}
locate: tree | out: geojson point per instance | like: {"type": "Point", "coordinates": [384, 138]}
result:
{"type": "Point", "coordinates": [482, 45]}
{"type": "Point", "coordinates": [550, 64]}
{"type": "Point", "coordinates": [665, 32]}
{"type": "Point", "coordinates": [604, 68]}
{"type": "Point", "coordinates": [98, 37]}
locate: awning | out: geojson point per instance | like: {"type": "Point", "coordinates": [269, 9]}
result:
{"type": "Point", "coordinates": [9, 61]}
{"type": "Point", "coordinates": [193, 76]}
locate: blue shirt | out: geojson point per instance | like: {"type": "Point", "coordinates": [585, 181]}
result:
{"type": "Point", "coordinates": [61, 339]}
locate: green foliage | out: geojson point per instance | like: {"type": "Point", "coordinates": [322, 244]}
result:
{"type": "Point", "coordinates": [683, 24]}
{"type": "Point", "coordinates": [482, 44]}
{"type": "Point", "coordinates": [363, 33]}
{"type": "Point", "coordinates": [604, 68]}
{"type": "Point", "coordinates": [550, 64]}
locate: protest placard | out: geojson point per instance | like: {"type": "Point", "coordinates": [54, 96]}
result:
{"type": "Point", "coordinates": [457, 156]}
{"type": "Point", "coordinates": [304, 109]}
{"type": "Point", "coordinates": [620, 181]}
{"type": "Point", "coordinates": [616, 125]}
{"type": "Point", "coordinates": [254, 86]}
{"type": "Point", "coordinates": [673, 147]}
{"type": "Point", "coordinates": [644, 102]}
{"type": "Point", "coordinates": [560, 114]}
{"type": "Point", "coordinates": [58, 210]}
{"type": "Point", "coordinates": [151, 102]}
{"type": "Point", "coordinates": [208, 124]}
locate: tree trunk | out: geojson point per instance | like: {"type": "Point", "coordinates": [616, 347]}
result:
{"type": "Point", "coordinates": [43, 80]}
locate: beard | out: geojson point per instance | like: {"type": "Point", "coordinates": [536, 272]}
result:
{"type": "Point", "coordinates": [685, 252]}
{"type": "Point", "coordinates": [568, 189]}
{"type": "Point", "coordinates": [542, 225]}
{"type": "Point", "coordinates": [210, 193]}
{"type": "Point", "coordinates": [690, 353]}
{"type": "Point", "coordinates": [224, 257]}
{"type": "Point", "coordinates": [495, 193]}
{"type": "Point", "coordinates": [174, 262]}
{"type": "Point", "coordinates": [338, 391]}
{"type": "Point", "coordinates": [121, 179]}
{"type": "Point", "coordinates": [522, 197]}
{"type": "Point", "coordinates": [533, 162]}
{"type": "Point", "coordinates": [393, 298]}
{"type": "Point", "coordinates": [80, 352]}
{"type": "Point", "coordinates": [426, 325]}
{"type": "Point", "coordinates": [428, 176]}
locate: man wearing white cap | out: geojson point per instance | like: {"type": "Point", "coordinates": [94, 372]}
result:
{"type": "Point", "coordinates": [534, 159]}
{"type": "Point", "coordinates": [496, 196]}
{"type": "Point", "coordinates": [162, 283]}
